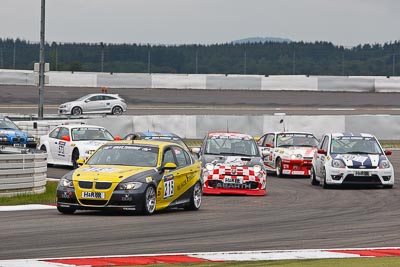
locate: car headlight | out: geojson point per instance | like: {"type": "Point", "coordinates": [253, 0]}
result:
{"type": "Point", "coordinates": [256, 168]}
{"type": "Point", "coordinates": [64, 182]}
{"type": "Point", "coordinates": [336, 163]}
{"type": "Point", "coordinates": [296, 156]}
{"type": "Point", "coordinates": [3, 138]}
{"type": "Point", "coordinates": [384, 164]}
{"type": "Point", "coordinates": [30, 139]}
{"type": "Point", "coordinates": [129, 185]}
{"type": "Point", "coordinates": [210, 166]}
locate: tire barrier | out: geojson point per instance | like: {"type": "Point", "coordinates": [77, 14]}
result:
{"type": "Point", "coordinates": [22, 171]}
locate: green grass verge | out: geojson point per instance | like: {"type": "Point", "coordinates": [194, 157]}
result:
{"type": "Point", "coordinates": [349, 262]}
{"type": "Point", "coordinates": [49, 197]}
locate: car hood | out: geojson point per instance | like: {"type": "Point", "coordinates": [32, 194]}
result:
{"type": "Point", "coordinates": [305, 152]}
{"type": "Point", "coordinates": [90, 144]}
{"type": "Point", "coordinates": [110, 173]}
{"type": "Point", "coordinates": [231, 160]}
{"type": "Point", "coordinates": [372, 160]}
{"type": "Point", "coordinates": [11, 132]}
{"type": "Point", "coordinates": [68, 103]}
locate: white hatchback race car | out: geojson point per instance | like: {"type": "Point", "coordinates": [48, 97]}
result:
{"type": "Point", "coordinates": [351, 159]}
{"type": "Point", "coordinates": [65, 144]}
{"type": "Point", "coordinates": [288, 153]}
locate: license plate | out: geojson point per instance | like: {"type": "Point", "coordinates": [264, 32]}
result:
{"type": "Point", "coordinates": [362, 173]}
{"type": "Point", "coordinates": [229, 180]}
{"type": "Point", "coordinates": [95, 195]}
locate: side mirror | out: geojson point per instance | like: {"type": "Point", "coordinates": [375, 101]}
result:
{"type": "Point", "coordinates": [117, 138]}
{"type": "Point", "coordinates": [388, 152]}
{"type": "Point", "coordinates": [66, 138]}
{"type": "Point", "coordinates": [268, 145]}
{"type": "Point", "coordinates": [321, 151]}
{"type": "Point", "coordinates": [196, 150]}
{"type": "Point", "coordinates": [80, 161]}
{"type": "Point", "coordinates": [169, 166]}
{"type": "Point", "coordinates": [87, 101]}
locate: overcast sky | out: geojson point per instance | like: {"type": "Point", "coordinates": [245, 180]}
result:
{"type": "Point", "coordinates": [342, 22]}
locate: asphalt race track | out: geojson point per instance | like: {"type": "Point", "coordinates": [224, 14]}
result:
{"type": "Point", "coordinates": [24, 99]}
{"type": "Point", "coordinates": [293, 215]}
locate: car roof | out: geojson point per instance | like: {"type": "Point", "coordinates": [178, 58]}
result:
{"type": "Point", "coordinates": [229, 135]}
{"type": "Point", "coordinates": [292, 132]}
{"type": "Point", "coordinates": [77, 125]}
{"type": "Point", "coordinates": [101, 94]}
{"type": "Point", "coordinates": [150, 134]}
{"type": "Point", "coordinates": [143, 142]}
{"type": "Point", "coordinates": [337, 135]}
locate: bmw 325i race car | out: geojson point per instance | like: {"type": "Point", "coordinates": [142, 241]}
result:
{"type": "Point", "coordinates": [141, 176]}
{"type": "Point", "coordinates": [65, 144]}
{"type": "Point", "coordinates": [288, 153]}
{"type": "Point", "coordinates": [231, 164]}
{"type": "Point", "coordinates": [12, 135]}
{"type": "Point", "coordinates": [351, 159]}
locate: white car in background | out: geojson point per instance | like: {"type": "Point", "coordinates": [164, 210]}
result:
{"type": "Point", "coordinates": [94, 103]}
{"type": "Point", "coordinates": [65, 144]}
{"type": "Point", "coordinates": [351, 159]}
{"type": "Point", "coordinates": [288, 153]}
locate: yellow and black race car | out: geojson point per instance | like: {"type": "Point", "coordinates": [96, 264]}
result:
{"type": "Point", "coordinates": [142, 176]}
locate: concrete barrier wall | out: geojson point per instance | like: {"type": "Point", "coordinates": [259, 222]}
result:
{"type": "Point", "coordinates": [208, 81]}
{"type": "Point", "coordinates": [22, 174]}
{"type": "Point", "coordinates": [386, 127]}
{"type": "Point", "coordinates": [294, 82]}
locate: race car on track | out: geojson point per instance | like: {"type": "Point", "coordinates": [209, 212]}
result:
{"type": "Point", "coordinates": [231, 164]}
{"type": "Point", "coordinates": [141, 176]}
{"type": "Point", "coordinates": [288, 153]}
{"type": "Point", "coordinates": [65, 144]}
{"type": "Point", "coordinates": [94, 103]}
{"type": "Point", "coordinates": [161, 136]}
{"type": "Point", "coordinates": [12, 135]}
{"type": "Point", "coordinates": [351, 159]}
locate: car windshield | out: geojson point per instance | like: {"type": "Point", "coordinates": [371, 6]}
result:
{"type": "Point", "coordinates": [172, 139]}
{"type": "Point", "coordinates": [82, 98]}
{"type": "Point", "coordinates": [355, 145]}
{"type": "Point", "coordinates": [6, 124]}
{"type": "Point", "coordinates": [232, 146]}
{"type": "Point", "coordinates": [296, 139]}
{"type": "Point", "coordinates": [129, 155]}
{"type": "Point", "coordinates": [89, 133]}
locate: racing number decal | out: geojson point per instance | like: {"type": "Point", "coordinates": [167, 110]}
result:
{"type": "Point", "coordinates": [61, 146]}
{"type": "Point", "coordinates": [168, 185]}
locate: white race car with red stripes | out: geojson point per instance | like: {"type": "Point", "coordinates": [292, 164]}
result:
{"type": "Point", "coordinates": [231, 164]}
{"type": "Point", "coordinates": [288, 153]}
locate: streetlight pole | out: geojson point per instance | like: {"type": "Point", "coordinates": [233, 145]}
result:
{"type": "Point", "coordinates": [41, 62]}
{"type": "Point", "coordinates": [245, 62]}
{"type": "Point", "coordinates": [148, 59]}
{"type": "Point", "coordinates": [102, 56]}
{"type": "Point", "coordinates": [197, 60]}
{"type": "Point", "coordinates": [394, 65]}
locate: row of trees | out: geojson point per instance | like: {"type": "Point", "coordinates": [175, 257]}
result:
{"type": "Point", "coordinates": [287, 58]}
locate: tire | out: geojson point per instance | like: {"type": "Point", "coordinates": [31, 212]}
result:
{"type": "Point", "coordinates": [76, 111]}
{"type": "Point", "coordinates": [313, 178]}
{"type": "Point", "coordinates": [74, 158]}
{"type": "Point", "coordinates": [325, 185]}
{"type": "Point", "coordinates": [117, 110]}
{"type": "Point", "coordinates": [195, 198]}
{"type": "Point", "coordinates": [390, 186]}
{"type": "Point", "coordinates": [149, 205]}
{"type": "Point", "coordinates": [43, 148]}
{"type": "Point", "coordinates": [66, 210]}
{"type": "Point", "coordinates": [279, 167]}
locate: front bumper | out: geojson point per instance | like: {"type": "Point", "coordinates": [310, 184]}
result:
{"type": "Point", "coordinates": [347, 176]}
{"type": "Point", "coordinates": [296, 167]}
{"type": "Point", "coordinates": [128, 200]}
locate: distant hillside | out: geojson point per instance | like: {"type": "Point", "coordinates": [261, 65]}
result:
{"type": "Point", "coordinates": [253, 40]}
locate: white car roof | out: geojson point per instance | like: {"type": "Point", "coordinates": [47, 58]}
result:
{"type": "Point", "coordinates": [335, 135]}
{"type": "Point", "coordinates": [76, 125]}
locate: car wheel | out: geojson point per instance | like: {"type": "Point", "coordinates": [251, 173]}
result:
{"type": "Point", "coordinates": [312, 177]}
{"type": "Point", "coordinates": [64, 210]}
{"type": "Point", "coordinates": [75, 157]}
{"type": "Point", "coordinates": [390, 186]}
{"type": "Point", "coordinates": [279, 167]}
{"type": "Point", "coordinates": [195, 198]}
{"type": "Point", "coordinates": [117, 110]}
{"type": "Point", "coordinates": [149, 201]}
{"type": "Point", "coordinates": [76, 111]}
{"type": "Point", "coordinates": [43, 148]}
{"type": "Point", "coordinates": [325, 185]}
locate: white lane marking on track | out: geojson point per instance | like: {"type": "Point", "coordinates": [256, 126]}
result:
{"type": "Point", "coordinates": [26, 207]}
{"type": "Point", "coordinates": [31, 263]}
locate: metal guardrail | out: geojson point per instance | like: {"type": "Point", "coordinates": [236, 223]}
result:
{"type": "Point", "coordinates": [22, 171]}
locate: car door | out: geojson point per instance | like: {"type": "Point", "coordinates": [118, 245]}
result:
{"type": "Point", "coordinates": [59, 147]}
{"type": "Point", "coordinates": [94, 104]}
{"type": "Point", "coordinates": [268, 147]}
{"type": "Point", "coordinates": [321, 157]}
{"type": "Point", "coordinates": [109, 102]}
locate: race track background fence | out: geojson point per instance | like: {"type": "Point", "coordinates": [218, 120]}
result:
{"type": "Point", "coordinates": [207, 81]}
